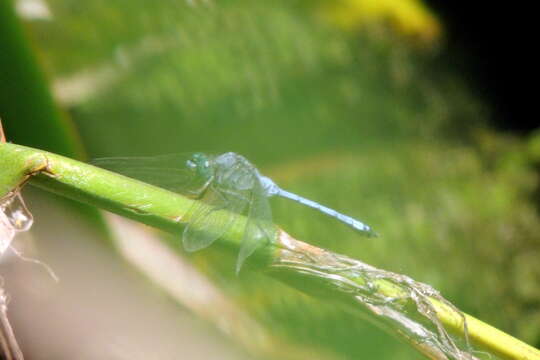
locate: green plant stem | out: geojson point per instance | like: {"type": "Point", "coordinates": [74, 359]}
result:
{"type": "Point", "coordinates": [485, 336]}
{"type": "Point", "coordinates": [165, 210]}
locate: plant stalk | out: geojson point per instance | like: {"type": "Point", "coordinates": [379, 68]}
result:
{"type": "Point", "coordinates": [295, 262]}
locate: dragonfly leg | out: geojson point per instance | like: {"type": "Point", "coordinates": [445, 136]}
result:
{"type": "Point", "coordinates": [199, 193]}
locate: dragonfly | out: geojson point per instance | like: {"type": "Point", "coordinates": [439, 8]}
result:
{"type": "Point", "coordinates": [221, 182]}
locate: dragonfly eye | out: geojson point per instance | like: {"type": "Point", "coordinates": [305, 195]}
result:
{"type": "Point", "coordinates": [191, 164]}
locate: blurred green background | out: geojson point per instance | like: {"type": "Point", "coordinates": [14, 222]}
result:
{"type": "Point", "coordinates": [350, 103]}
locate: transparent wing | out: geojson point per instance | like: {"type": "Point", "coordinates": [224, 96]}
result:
{"type": "Point", "coordinates": [212, 216]}
{"type": "Point", "coordinates": [166, 171]}
{"type": "Point", "coordinates": [259, 228]}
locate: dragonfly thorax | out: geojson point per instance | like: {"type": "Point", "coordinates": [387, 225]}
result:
{"type": "Point", "coordinates": [235, 172]}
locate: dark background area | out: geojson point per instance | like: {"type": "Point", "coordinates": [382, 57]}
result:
{"type": "Point", "coordinates": [497, 44]}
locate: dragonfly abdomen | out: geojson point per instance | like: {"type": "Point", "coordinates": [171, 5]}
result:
{"type": "Point", "coordinates": [331, 212]}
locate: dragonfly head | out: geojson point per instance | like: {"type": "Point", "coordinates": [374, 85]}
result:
{"type": "Point", "coordinates": [199, 163]}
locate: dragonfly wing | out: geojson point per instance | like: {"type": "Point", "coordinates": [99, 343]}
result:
{"type": "Point", "coordinates": [211, 217]}
{"type": "Point", "coordinates": [166, 171]}
{"type": "Point", "coordinates": [259, 228]}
